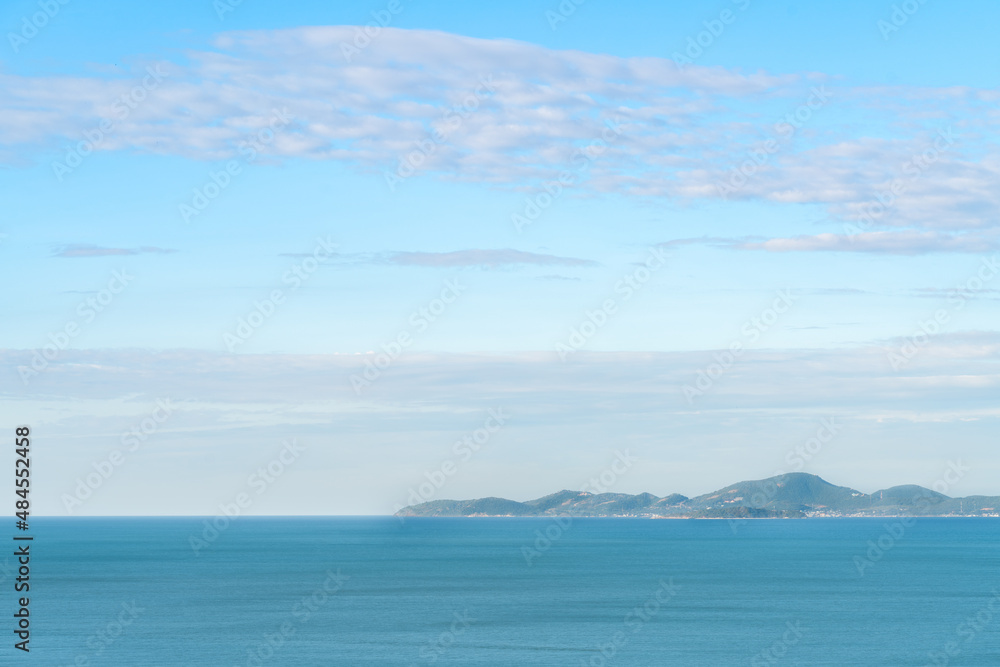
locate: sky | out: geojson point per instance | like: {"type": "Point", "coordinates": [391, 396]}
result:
{"type": "Point", "coordinates": [382, 231]}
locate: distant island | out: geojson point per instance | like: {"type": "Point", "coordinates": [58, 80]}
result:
{"type": "Point", "coordinates": [793, 495]}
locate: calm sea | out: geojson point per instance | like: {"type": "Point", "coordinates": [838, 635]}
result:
{"type": "Point", "coordinates": [374, 591]}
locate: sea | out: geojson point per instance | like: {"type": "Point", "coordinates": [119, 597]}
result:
{"type": "Point", "coordinates": [357, 591]}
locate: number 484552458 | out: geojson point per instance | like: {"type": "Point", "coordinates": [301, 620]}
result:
{"type": "Point", "coordinates": [21, 471]}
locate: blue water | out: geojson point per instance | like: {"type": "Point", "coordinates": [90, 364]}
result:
{"type": "Point", "coordinates": [460, 592]}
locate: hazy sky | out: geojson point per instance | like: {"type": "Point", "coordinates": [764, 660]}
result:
{"type": "Point", "coordinates": [692, 232]}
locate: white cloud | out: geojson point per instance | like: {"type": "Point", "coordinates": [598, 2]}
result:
{"type": "Point", "coordinates": [598, 385]}
{"type": "Point", "coordinates": [896, 243]}
{"type": "Point", "coordinates": [907, 242]}
{"type": "Point", "coordinates": [232, 411]}
{"type": "Point", "coordinates": [683, 132]}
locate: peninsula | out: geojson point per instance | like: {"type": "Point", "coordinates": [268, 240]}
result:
{"type": "Point", "coordinates": [792, 495]}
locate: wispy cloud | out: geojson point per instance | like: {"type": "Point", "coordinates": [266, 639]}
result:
{"type": "Point", "coordinates": [895, 243]}
{"type": "Point", "coordinates": [83, 250]}
{"type": "Point", "coordinates": [908, 242]}
{"type": "Point", "coordinates": [239, 406]}
{"type": "Point", "coordinates": [552, 276]}
{"type": "Point", "coordinates": [835, 291]}
{"type": "Point", "coordinates": [484, 258]}
{"type": "Point", "coordinates": [858, 378]}
{"type": "Point", "coordinates": [713, 241]}
{"type": "Point", "coordinates": [680, 132]}
{"type": "Point", "coordinates": [966, 293]}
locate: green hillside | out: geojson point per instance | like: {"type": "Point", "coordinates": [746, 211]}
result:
{"type": "Point", "coordinates": [785, 496]}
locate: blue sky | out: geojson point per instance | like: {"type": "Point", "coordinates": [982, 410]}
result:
{"type": "Point", "coordinates": [490, 183]}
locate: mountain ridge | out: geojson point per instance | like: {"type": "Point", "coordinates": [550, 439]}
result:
{"type": "Point", "coordinates": [791, 495]}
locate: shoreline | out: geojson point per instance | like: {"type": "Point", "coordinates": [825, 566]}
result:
{"type": "Point", "coordinates": [695, 518]}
